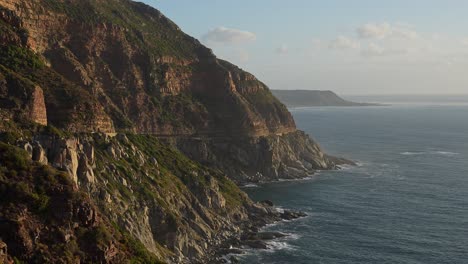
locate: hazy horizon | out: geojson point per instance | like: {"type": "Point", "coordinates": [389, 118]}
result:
{"type": "Point", "coordinates": [376, 94]}
{"type": "Point", "coordinates": [356, 47]}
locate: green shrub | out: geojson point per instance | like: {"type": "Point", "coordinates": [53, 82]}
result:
{"type": "Point", "coordinates": [10, 137]}
{"type": "Point", "coordinates": [14, 158]}
{"type": "Point", "coordinates": [17, 58]}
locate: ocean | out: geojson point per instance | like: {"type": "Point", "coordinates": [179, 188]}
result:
{"type": "Point", "coordinates": [406, 201]}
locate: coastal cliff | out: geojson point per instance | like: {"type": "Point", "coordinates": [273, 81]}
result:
{"type": "Point", "coordinates": [150, 130]}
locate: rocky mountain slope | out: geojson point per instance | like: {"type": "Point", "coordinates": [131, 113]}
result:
{"type": "Point", "coordinates": [305, 98]}
{"type": "Point", "coordinates": [146, 125]}
{"type": "Point", "coordinates": [44, 218]}
{"type": "Point", "coordinates": [121, 66]}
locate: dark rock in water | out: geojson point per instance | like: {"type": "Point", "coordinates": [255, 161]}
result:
{"type": "Point", "coordinates": [263, 235]}
{"type": "Point", "coordinates": [270, 235]}
{"type": "Point", "coordinates": [236, 251]}
{"type": "Point", "coordinates": [233, 259]}
{"type": "Point", "coordinates": [291, 215]}
{"type": "Point", "coordinates": [256, 244]}
{"type": "Point", "coordinates": [341, 161]}
{"type": "Point", "coordinates": [227, 251]}
{"type": "Point", "coordinates": [267, 202]}
{"type": "Point", "coordinates": [250, 236]}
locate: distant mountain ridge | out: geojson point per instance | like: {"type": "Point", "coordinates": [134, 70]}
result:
{"type": "Point", "coordinates": [303, 98]}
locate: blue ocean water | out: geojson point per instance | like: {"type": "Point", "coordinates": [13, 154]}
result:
{"type": "Point", "coordinates": [407, 201]}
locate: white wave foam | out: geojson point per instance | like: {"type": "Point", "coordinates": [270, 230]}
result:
{"type": "Point", "coordinates": [250, 185]}
{"type": "Point", "coordinates": [310, 177]}
{"type": "Point", "coordinates": [279, 209]}
{"type": "Point", "coordinates": [279, 245]}
{"type": "Point", "coordinates": [282, 243]}
{"type": "Point", "coordinates": [408, 153]}
{"type": "Point", "coordinates": [346, 167]}
{"type": "Point", "coordinates": [416, 153]}
{"type": "Point", "coordinates": [292, 236]}
{"type": "Point", "coordinates": [445, 153]}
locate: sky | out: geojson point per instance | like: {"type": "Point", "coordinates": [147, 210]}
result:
{"type": "Point", "coordinates": [352, 47]}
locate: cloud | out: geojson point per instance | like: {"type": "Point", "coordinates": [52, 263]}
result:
{"type": "Point", "coordinates": [342, 42]}
{"type": "Point", "coordinates": [385, 30]}
{"type": "Point", "coordinates": [374, 50]}
{"type": "Point", "coordinates": [283, 49]}
{"type": "Point", "coordinates": [315, 43]}
{"type": "Point", "coordinates": [225, 35]}
{"type": "Point", "coordinates": [371, 30]}
{"type": "Point", "coordinates": [464, 42]}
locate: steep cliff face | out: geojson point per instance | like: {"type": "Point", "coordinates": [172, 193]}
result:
{"type": "Point", "coordinates": [260, 159]}
{"type": "Point", "coordinates": [115, 66]}
{"type": "Point", "coordinates": [138, 64]}
{"type": "Point", "coordinates": [112, 79]}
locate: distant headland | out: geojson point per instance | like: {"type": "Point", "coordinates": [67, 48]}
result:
{"type": "Point", "coordinates": [304, 98]}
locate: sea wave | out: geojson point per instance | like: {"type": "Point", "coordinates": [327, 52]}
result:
{"type": "Point", "coordinates": [279, 245]}
{"type": "Point", "coordinates": [310, 177]}
{"type": "Point", "coordinates": [347, 167]}
{"type": "Point", "coordinates": [250, 185]}
{"type": "Point", "coordinates": [438, 152]}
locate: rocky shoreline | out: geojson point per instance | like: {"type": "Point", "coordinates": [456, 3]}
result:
{"type": "Point", "coordinates": [252, 237]}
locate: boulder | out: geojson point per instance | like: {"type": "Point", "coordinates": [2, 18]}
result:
{"type": "Point", "coordinates": [39, 154]}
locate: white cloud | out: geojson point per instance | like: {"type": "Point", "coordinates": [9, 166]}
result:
{"type": "Point", "coordinates": [342, 42]}
{"type": "Point", "coordinates": [404, 33]}
{"type": "Point", "coordinates": [375, 50]}
{"type": "Point", "coordinates": [283, 49]}
{"type": "Point", "coordinates": [464, 42]}
{"type": "Point", "coordinates": [315, 43]}
{"type": "Point", "coordinates": [225, 35]}
{"type": "Point", "coordinates": [371, 30]}
{"type": "Point", "coordinates": [386, 30]}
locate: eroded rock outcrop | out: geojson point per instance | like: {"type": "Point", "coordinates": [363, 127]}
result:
{"type": "Point", "coordinates": [38, 107]}
{"type": "Point", "coordinates": [289, 156]}
{"type": "Point", "coordinates": [74, 156]}
{"type": "Point", "coordinates": [4, 258]}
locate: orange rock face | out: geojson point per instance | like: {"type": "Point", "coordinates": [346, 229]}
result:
{"type": "Point", "coordinates": [149, 78]}
{"type": "Point", "coordinates": [38, 107]}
